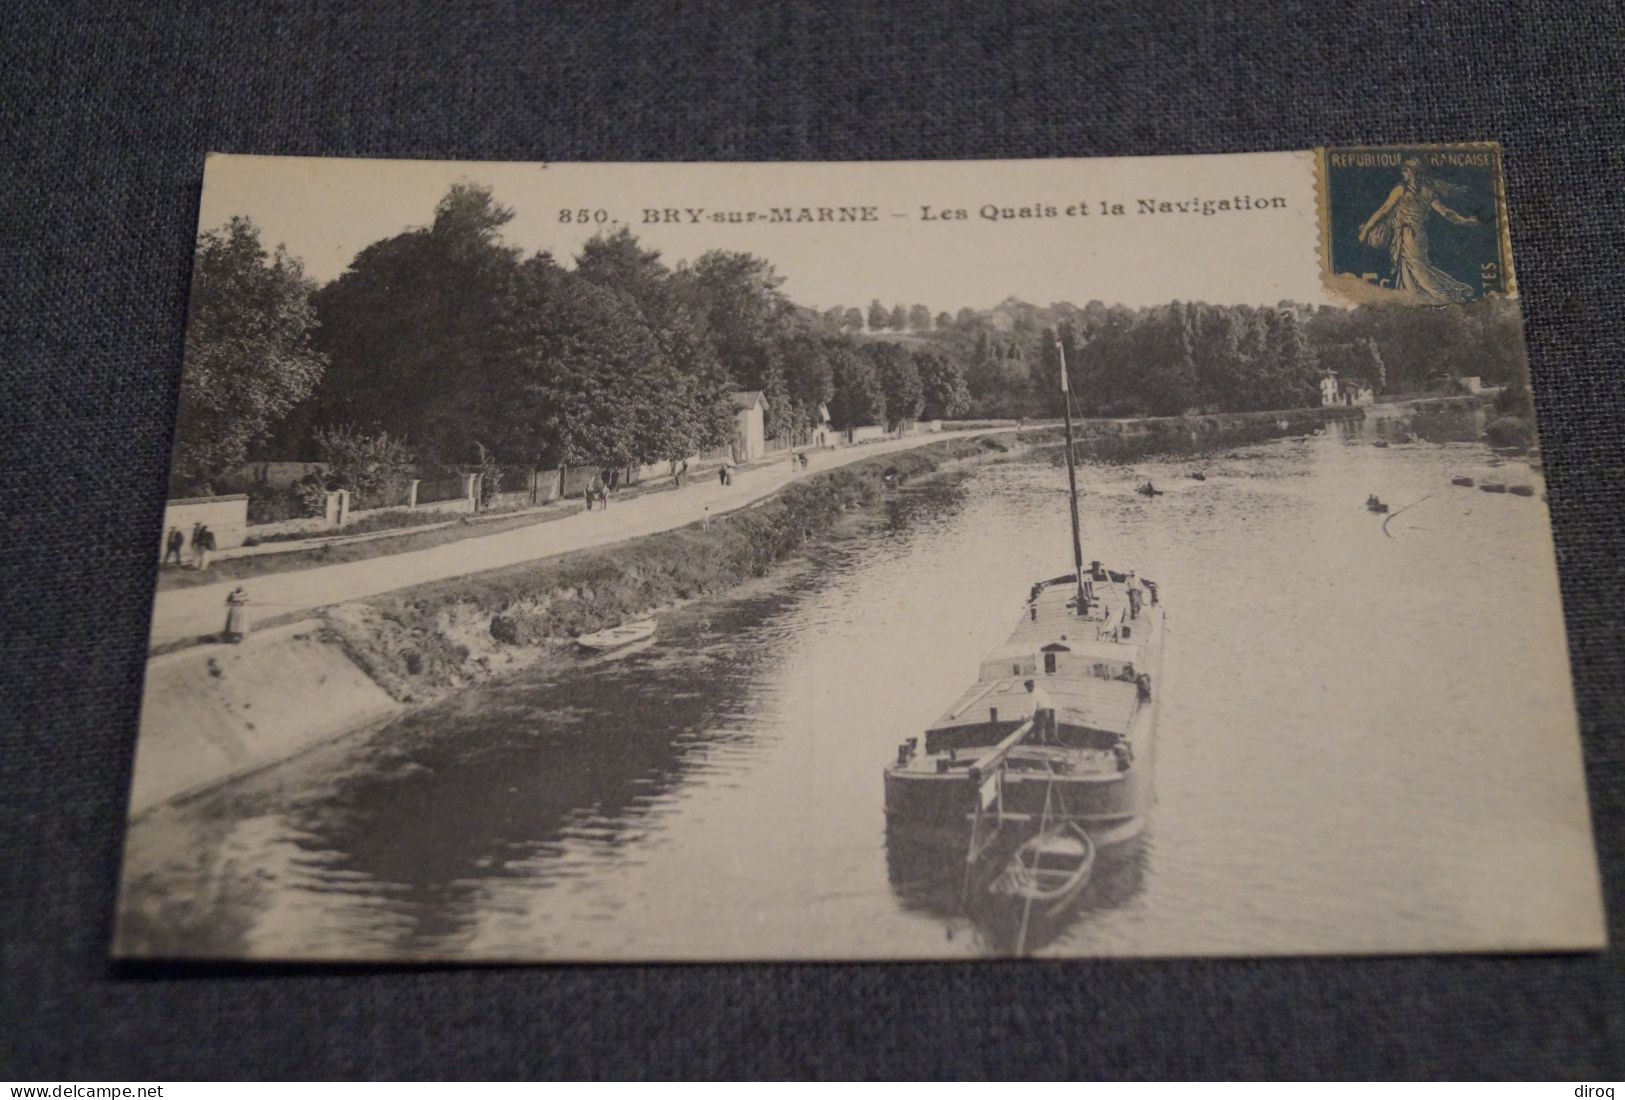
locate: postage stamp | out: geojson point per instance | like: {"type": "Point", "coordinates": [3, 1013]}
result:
{"type": "Point", "coordinates": [1414, 225]}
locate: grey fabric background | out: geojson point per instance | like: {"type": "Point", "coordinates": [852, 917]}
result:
{"type": "Point", "coordinates": [105, 114]}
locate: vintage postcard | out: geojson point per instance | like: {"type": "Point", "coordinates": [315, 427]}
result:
{"type": "Point", "coordinates": [856, 561]}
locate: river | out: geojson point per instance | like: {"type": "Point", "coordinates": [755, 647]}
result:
{"type": "Point", "coordinates": [1366, 744]}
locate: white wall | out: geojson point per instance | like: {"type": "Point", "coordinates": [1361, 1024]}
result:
{"type": "Point", "coordinates": [752, 435]}
{"type": "Point", "coordinates": [226, 516]}
{"type": "Point", "coordinates": [280, 475]}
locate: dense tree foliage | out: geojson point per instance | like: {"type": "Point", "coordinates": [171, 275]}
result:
{"type": "Point", "coordinates": [248, 358]}
{"type": "Point", "coordinates": [1182, 357]}
{"type": "Point", "coordinates": [375, 468]}
{"type": "Point", "coordinates": [944, 392]}
{"type": "Point", "coordinates": [446, 341]}
{"type": "Point", "coordinates": [859, 398]}
{"type": "Point", "coordinates": [899, 377]}
{"type": "Point", "coordinates": [415, 328]}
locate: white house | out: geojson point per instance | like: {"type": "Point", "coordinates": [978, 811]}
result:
{"type": "Point", "coordinates": [750, 426]}
{"type": "Point", "coordinates": [1339, 391]}
{"type": "Point", "coordinates": [823, 432]}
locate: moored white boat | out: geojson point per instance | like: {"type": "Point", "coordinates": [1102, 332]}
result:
{"type": "Point", "coordinates": [1049, 869]}
{"type": "Point", "coordinates": [617, 636]}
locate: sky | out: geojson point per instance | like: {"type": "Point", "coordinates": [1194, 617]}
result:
{"type": "Point", "coordinates": [898, 247]}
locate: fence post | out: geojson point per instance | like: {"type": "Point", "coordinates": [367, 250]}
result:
{"type": "Point", "coordinates": [471, 489]}
{"type": "Point", "coordinates": [337, 508]}
{"type": "Point", "coordinates": [412, 492]}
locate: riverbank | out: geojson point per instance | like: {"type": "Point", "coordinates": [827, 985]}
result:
{"type": "Point", "coordinates": [423, 643]}
{"type": "Point", "coordinates": [221, 711]}
{"type": "Point", "coordinates": [214, 712]}
{"type": "Point", "coordinates": [426, 642]}
{"type": "Point", "coordinates": [1127, 440]}
{"type": "Point", "coordinates": [192, 615]}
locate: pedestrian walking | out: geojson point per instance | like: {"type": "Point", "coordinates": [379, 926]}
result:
{"type": "Point", "coordinates": [173, 544]}
{"type": "Point", "coordinates": [722, 474]}
{"type": "Point", "coordinates": [204, 543]}
{"type": "Point", "coordinates": [236, 617]}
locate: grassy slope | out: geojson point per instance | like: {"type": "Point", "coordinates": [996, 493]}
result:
{"type": "Point", "coordinates": [425, 641]}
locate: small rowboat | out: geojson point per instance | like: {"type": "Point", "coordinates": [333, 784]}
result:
{"type": "Point", "coordinates": [1521, 490]}
{"type": "Point", "coordinates": [1465, 482]}
{"type": "Point", "coordinates": [617, 636]}
{"type": "Point", "coordinates": [1049, 869]}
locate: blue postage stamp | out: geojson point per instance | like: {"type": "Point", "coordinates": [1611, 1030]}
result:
{"type": "Point", "coordinates": [1414, 225]}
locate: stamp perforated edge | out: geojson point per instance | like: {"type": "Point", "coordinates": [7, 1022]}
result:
{"type": "Point", "coordinates": [1338, 289]}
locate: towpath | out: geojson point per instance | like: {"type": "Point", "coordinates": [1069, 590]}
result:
{"type": "Point", "coordinates": [180, 614]}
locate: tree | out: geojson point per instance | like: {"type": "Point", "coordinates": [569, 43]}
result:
{"type": "Point", "coordinates": [248, 357]}
{"type": "Point", "coordinates": [899, 378]}
{"type": "Point", "coordinates": [852, 321]}
{"type": "Point", "coordinates": [879, 316]}
{"type": "Point", "coordinates": [1284, 374]}
{"type": "Point", "coordinates": [700, 400]}
{"type": "Point", "coordinates": [1169, 382]}
{"type": "Point", "coordinates": [919, 318]}
{"type": "Point", "coordinates": [1357, 360]}
{"type": "Point", "coordinates": [375, 468]}
{"type": "Point", "coordinates": [808, 377]}
{"type": "Point", "coordinates": [899, 318]}
{"type": "Point", "coordinates": [619, 262]}
{"type": "Point", "coordinates": [1045, 372]}
{"type": "Point", "coordinates": [858, 399]}
{"type": "Point", "coordinates": [945, 321]}
{"type": "Point", "coordinates": [942, 382]}
{"type": "Point", "coordinates": [588, 383]}
{"type": "Point", "coordinates": [736, 300]}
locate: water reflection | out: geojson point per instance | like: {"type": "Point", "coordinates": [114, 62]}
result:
{"type": "Point", "coordinates": [719, 795]}
{"type": "Point", "coordinates": [937, 882]}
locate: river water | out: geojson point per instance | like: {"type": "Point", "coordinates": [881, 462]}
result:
{"type": "Point", "coordinates": [1365, 744]}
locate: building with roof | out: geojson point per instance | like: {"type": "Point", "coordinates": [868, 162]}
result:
{"type": "Point", "coordinates": [750, 425]}
{"type": "Point", "coordinates": [1345, 391]}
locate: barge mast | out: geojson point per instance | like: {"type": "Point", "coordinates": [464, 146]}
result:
{"type": "Point", "coordinates": [1071, 478]}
